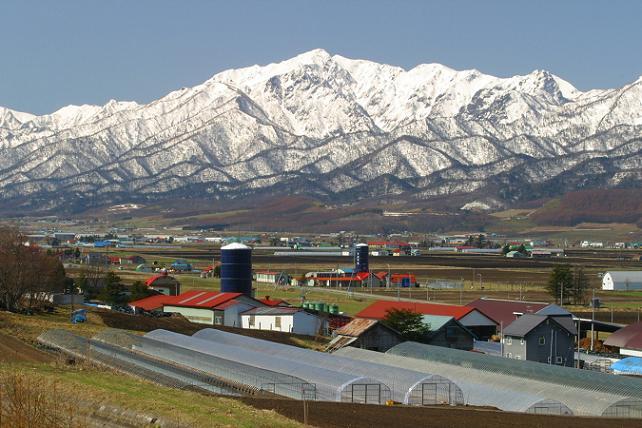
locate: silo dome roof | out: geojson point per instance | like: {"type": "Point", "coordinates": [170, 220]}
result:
{"type": "Point", "coordinates": [235, 246]}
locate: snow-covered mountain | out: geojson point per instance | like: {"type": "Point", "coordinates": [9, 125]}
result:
{"type": "Point", "coordinates": [333, 127]}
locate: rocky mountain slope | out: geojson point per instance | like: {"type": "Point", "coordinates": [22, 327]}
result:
{"type": "Point", "coordinates": [329, 127]}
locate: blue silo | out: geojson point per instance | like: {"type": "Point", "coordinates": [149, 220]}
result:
{"type": "Point", "coordinates": [236, 269]}
{"type": "Point", "coordinates": [361, 258]}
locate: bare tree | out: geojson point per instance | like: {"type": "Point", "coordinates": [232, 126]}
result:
{"type": "Point", "coordinates": [25, 271]}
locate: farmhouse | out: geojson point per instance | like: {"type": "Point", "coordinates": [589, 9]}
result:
{"type": "Point", "coordinates": [202, 307]}
{"type": "Point", "coordinates": [542, 338]}
{"type": "Point", "coordinates": [285, 319]}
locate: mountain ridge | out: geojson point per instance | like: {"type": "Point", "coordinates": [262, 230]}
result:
{"type": "Point", "coordinates": [330, 126]}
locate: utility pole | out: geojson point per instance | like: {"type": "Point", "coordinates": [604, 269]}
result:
{"type": "Point", "coordinates": [501, 337]}
{"type": "Point", "coordinates": [562, 294]}
{"type": "Point", "coordinates": [593, 318]}
{"type": "Point", "coordinates": [579, 335]}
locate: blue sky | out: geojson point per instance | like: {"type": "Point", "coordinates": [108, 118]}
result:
{"type": "Point", "coordinates": [56, 53]}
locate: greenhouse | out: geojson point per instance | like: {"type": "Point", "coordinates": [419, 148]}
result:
{"type": "Point", "coordinates": [503, 389]}
{"type": "Point", "coordinates": [584, 379]}
{"type": "Point", "coordinates": [329, 385]}
{"type": "Point", "coordinates": [232, 372]}
{"type": "Point", "coordinates": [408, 386]}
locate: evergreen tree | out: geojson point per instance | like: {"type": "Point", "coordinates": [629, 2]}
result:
{"type": "Point", "coordinates": [560, 282]}
{"type": "Point", "coordinates": [112, 291]}
{"type": "Point", "coordinates": [139, 291]}
{"type": "Point", "coordinates": [580, 287]}
{"type": "Point", "coordinates": [410, 324]}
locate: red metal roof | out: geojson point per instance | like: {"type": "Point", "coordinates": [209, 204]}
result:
{"type": "Point", "coordinates": [361, 276]}
{"type": "Point", "coordinates": [151, 280]}
{"type": "Point", "coordinates": [381, 275]}
{"type": "Point", "coordinates": [150, 303]}
{"type": "Point", "coordinates": [378, 309]}
{"type": "Point", "coordinates": [397, 277]}
{"type": "Point", "coordinates": [189, 299]}
{"type": "Point", "coordinates": [629, 337]}
{"type": "Point", "coordinates": [503, 311]}
{"type": "Point", "coordinates": [201, 299]}
{"type": "Point", "coordinates": [273, 302]}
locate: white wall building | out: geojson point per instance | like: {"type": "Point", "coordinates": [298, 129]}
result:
{"type": "Point", "coordinates": [285, 319]}
{"type": "Point", "coordinates": [622, 280]}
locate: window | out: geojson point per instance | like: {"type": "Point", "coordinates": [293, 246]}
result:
{"type": "Point", "coordinates": [518, 357]}
{"type": "Point", "coordinates": [509, 340]}
{"type": "Point", "coordinates": [252, 320]}
{"type": "Point", "coordinates": [509, 355]}
{"type": "Point", "coordinates": [521, 341]}
{"type": "Point", "coordinates": [277, 322]}
{"type": "Point", "coordinates": [542, 340]}
{"type": "Point", "coordinates": [559, 360]}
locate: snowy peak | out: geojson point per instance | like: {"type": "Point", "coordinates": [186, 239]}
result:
{"type": "Point", "coordinates": [333, 127]}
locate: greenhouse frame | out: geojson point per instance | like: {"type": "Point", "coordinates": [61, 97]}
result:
{"type": "Point", "coordinates": [329, 385]}
{"type": "Point", "coordinates": [490, 386]}
{"type": "Point", "coordinates": [408, 386]}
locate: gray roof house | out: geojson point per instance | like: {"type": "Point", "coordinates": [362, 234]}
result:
{"type": "Point", "coordinates": [542, 338]}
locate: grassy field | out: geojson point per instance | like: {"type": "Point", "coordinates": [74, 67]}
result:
{"type": "Point", "coordinates": [28, 328]}
{"type": "Point", "coordinates": [89, 384]}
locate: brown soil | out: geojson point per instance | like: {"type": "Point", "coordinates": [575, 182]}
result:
{"type": "Point", "coordinates": [621, 317]}
{"type": "Point", "coordinates": [12, 349]}
{"type": "Point", "coordinates": [334, 415]}
{"type": "Point", "coordinates": [179, 324]}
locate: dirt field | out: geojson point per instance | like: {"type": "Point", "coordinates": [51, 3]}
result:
{"type": "Point", "coordinates": [341, 415]}
{"type": "Point", "coordinates": [12, 349]}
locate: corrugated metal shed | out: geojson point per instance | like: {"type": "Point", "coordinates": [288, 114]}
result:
{"type": "Point", "coordinates": [629, 337]}
{"type": "Point", "coordinates": [357, 327]}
